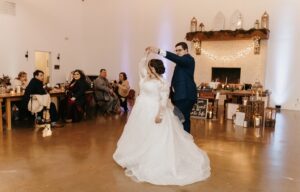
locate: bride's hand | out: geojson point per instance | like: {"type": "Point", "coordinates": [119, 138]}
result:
{"type": "Point", "coordinates": [158, 119]}
{"type": "Point", "coordinates": [152, 50]}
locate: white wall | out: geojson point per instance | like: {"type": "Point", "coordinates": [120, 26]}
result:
{"type": "Point", "coordinates": [41, 25]}
{"type": "Point", "coordinates": [112, 34]}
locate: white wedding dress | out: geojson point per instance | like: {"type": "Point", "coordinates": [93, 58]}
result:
{"type": "Point", "coordinates": [158, 153]}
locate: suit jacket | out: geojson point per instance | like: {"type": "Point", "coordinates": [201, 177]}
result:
{"type": "Point", "coordinates": [183, 84]}
{"type": "Point", "coordinates": [102, 89]}
{"type": "Point", "coordinates": [34, 87]}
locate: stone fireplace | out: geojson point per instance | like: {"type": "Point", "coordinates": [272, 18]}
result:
{"type": "Point", "coordinates": [226, 74]}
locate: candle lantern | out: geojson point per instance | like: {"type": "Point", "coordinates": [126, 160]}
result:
{"type": "Point", "coordinates": [257, 121]}
{"type": "Point", "coordinates": [245, 100]}
{"type": "Point", "coordinates": [245, 124]}
{"type": "Point", "coordinates": [270, 117]}
{"type": "Point", "coordinates": [193, 24]}
{"type": "Point", "coordinates": [197, 46]}
{"type": "Point", "coordinates": [239, 23]}
{"type": "Point", "coordinates": [209, 114]}
{"type": "Point", "coordinates": [265, 21]}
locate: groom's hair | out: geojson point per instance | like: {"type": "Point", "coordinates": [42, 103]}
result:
{"type": "Point", "coordinates": [183, 45]}
{"type": "Point", "coordinates": [158, 65]}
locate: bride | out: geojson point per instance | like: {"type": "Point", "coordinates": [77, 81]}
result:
{"type": "Point", "coordinates": [154, 146]}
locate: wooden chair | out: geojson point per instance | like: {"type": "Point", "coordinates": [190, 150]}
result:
{"type": "Point", "coordinates": [90, 104]}
{"type": "Point", "coordinates": [131, 97]}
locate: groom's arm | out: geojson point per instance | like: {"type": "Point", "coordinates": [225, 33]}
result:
{"type": "Point", "coordinates": [180, 60]}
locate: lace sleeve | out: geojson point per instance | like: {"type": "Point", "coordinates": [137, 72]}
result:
{"type": "Point", "coordinates": [143, 68]}
{"type": "Point", "coordinates": [164, 94]}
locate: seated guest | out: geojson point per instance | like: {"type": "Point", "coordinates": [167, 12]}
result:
{"type": "Point", "coordinates": [36, 87]}
{"type": "Point", "coordinates": [75, 100]}
{"type": "Point", "coordinates": [104, 94]}
{"type": "Point", "coordinates": [18, 84]}
{"type": "Point", "coordinates": [21, 81]}
{"type": "Point", "coordinates": [122, 90]}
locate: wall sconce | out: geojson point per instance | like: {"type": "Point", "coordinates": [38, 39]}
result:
{"type": "Point", "coordinates": [26, 55]}
{"type": "Point", "coordinates": [197, 46]}
{"type": "Point", "coordinates": [256, 46]}
{"type": "Point", "coordinates": [58, 56]}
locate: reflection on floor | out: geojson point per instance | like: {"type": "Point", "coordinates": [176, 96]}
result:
{"type": "Point", "coordinates": [78, 157]}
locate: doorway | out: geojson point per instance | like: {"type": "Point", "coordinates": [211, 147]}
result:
{"type": "Point", "coordinates": [42, 62]}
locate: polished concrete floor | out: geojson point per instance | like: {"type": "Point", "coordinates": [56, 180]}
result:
{"type": "Point", "coordinates": [78, 157]}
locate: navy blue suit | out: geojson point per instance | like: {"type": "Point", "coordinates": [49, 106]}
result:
{"type": "Point", "coordinates": [183, 87]}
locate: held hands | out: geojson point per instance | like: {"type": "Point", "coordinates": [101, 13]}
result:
{"type": "Point", "coordinates": [152, 50]}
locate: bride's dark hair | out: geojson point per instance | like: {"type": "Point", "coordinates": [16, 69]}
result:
{"type": "Point", "coordinates": [158, 65]}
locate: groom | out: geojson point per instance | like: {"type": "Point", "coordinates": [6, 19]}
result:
{"type": "Point", "coordinates": [183, 87]}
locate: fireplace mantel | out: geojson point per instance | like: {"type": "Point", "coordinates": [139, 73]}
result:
{"type": "Point", "coordinates": [255, 34]}
{"type": "Point", "coordinates": [228, 35]}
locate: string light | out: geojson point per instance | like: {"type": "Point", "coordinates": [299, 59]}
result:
{"type": "Point", "coordinates": [230, 58]}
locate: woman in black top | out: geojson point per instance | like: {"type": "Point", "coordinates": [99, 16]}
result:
{"type": "Point", "coordinates": [75, 100]}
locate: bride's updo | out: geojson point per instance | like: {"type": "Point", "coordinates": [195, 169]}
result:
{"type": "Point", "coordinates": [158, 65]}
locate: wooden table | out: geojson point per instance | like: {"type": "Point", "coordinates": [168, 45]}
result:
{"type": "Point", "coordinates": [240, 93]}
{"type": "Point", "coordinates": [237, 96]}
{"type": "Point", "coordinates": [8, 98]}
{"type": "Point", "coordinates": [245, 93]}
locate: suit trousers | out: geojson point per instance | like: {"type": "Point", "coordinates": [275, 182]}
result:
{"type": "Point", "coordinates": [185, 106]}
